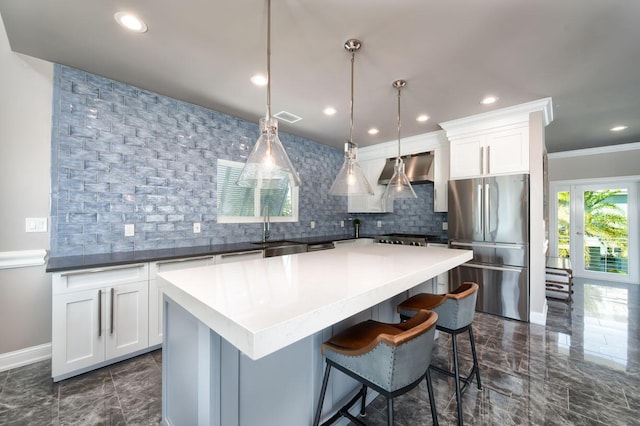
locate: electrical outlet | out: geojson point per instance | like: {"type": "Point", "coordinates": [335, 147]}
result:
{"type": "Point", "coordinates": [342, 224]}
{"type": "Point", "coordinates": [445, 226]}
{"type": "Point", "coordinates": [313, 224]}
{"type": "Point", "coordinates": [129, 230]}
{"type": "Point", "coordinates": [379, 224]}
{"type": "Point", "coordinates": [196, 228]}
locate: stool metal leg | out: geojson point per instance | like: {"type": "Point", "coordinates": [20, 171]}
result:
{"type": "Point", "coordinates": [363, 406]}
{"type": "Point", "coordinates": [389, 411]}
{"type": "Point", "coordinates": [475, 357]}
{"type": "Point", "coordinates": [456, 372]}
{"type": "Point", "coordinates": [432, 400]}
{"type": "Point", "coordinates": [325, 381]}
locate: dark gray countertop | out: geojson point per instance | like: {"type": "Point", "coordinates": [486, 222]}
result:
{"type": "Point", "coordinates": [67, 263]}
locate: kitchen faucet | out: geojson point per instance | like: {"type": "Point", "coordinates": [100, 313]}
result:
{"type": "Point", "coordinates": [266, 225]}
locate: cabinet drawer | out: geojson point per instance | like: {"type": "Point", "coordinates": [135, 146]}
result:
{"type": "Point", "coordinates": [85, 279]}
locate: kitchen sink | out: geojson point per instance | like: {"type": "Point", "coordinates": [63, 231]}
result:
{"type": "Point", "coordinates": [281, 248]}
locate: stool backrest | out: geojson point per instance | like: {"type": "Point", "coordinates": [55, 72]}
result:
{"type": "Point", "coordinates": [396, 359]}
{"type": "Point", "coordinates": [459, 307]}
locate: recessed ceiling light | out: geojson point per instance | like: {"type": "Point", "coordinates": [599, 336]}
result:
{"type": "Point", "coordinates": [618, 128]}
{"type": "Point", "coordinates": [329, 111]}
{"type": "Point", "coordinates": [259, 80]}
{"type": "Point", "coordinates": [489, 100]}
{"type": "Point", "coordinates": [373, 131]}
{"type": "Point", "coordinates": [130, 22]}
{"type": "Point", "coordinates": [422, 118]}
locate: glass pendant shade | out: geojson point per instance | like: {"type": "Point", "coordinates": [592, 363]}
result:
{"type": "Point", "coordinates": [268, 165]}
{"type": "Point", "coordinates": [350, 180]}
{"type": "Point", "coordinates": [399, 185]}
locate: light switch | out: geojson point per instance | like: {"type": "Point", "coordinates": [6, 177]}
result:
{"type": "Point", "coordinates": [445, 226]}
{"type": "Point", "coordinates": [342, 224]}
{"type": "Point", "coordinates": [379, 224]}
{"type": "Point", "coordinates": [313, 224]}
{"type": "Point", "coordinates": [35, 224]}
{"type": "Point", "coordinates": [196, 228]}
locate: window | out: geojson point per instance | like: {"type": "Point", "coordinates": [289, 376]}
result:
{"type": "Point", "coordinates": [247, 205]}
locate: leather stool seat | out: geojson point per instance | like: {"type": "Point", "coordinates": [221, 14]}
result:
{"type": "Point", "coordinates": [389, 358]}
{"type": "Point", "coordinates": [455, 315]}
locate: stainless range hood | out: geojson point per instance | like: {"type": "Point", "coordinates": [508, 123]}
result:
{"type": "Point", "coordinates": [418, 167]}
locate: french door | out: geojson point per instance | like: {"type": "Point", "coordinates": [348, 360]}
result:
{"type": "Point", "coordinates": [596, 225]}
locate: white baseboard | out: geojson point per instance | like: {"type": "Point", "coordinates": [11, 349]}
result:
{"type": "Point", "coordinates": [25, 356]}
{"type": "Point", "coordinates": [539, 317]}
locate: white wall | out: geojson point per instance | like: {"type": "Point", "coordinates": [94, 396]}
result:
{"type": "Point", "coordinates": [26, 86]}
{"type": "Point", "coordinates": [611, 161]}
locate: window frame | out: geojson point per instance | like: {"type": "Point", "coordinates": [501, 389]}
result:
{"type": "Point", "coordinates": [257, 202]}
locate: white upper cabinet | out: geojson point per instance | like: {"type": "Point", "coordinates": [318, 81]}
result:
{"type": "Point", "coordinates": [502, 152]}
{"type": "Point", "coordinates": [493, 143]}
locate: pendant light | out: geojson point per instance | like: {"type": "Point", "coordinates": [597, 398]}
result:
{"type": "Point", "coordinates": [399, 185]}
{"type": "Point", "coordinates": [268, 165]}
{"type": "Point", "coordinates": [351, 179]}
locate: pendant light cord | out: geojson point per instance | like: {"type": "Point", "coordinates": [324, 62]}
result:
{"type": "Point", "coordinates": [353, 56]}
{"type": "Point", "coordinates": [268, 60]}
{"type": "Point", "coordinates": [399, 125]}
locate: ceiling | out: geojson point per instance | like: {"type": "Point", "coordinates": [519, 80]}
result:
{"type": "Point", "coordinates": [585, 54]}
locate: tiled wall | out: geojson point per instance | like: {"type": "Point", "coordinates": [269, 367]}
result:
{"type": "Point", "coordinates": [411, 216]}
{"type": "Point", "coordinates": [124, 155]}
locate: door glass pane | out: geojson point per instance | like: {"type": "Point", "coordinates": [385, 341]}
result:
{"type": "Point", "coordinates": [564, 225]}
{"type": "Point", "coordinates": [606, 232]}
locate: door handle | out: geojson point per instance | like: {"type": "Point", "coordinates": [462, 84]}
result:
{"type": "Point", "coordinates": [488, 159]}
{"type": "Point", "coordinates": [481, 160]}
{"type": "Point", "coordinates": [99, 313]}
{"type": "Point", "coordinates": [112, 303]}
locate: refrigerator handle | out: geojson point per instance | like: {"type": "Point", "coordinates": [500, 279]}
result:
{"type": "Point", "coordinates": [487, 211]}
{"type": "Point", "coordinates": [481, 160]}
{"type": "Point", "coordinates": [488, 162]}
{"type": "Point", "coordinates": [493, 267]}
{"type": "Point", "coordinates": [478, 222]}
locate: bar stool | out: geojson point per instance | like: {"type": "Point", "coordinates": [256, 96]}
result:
{"type": "Point", "coordinates": [388, 358]}
{"type": "Point", "coordinates": [455, 316]}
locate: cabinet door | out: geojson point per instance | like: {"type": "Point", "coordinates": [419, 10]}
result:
{"type": "Point", "coordinates": [155, 295]}
{"type": "Point", "coordinates": [508, 151]}
{"type": "Point", "coordinates": [467, 157]}
{"type": "Point", "coordinates": [127, 325]}
{"type": "Point", "coordinates": [78, 330]}
{"type": "Point", "coordinates": [441, 180]}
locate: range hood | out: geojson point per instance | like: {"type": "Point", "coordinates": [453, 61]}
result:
{"type": "Point", "coordinates": [418, 167]}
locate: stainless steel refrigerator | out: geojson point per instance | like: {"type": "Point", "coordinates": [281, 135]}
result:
{"type": "Point", "coordinates": [490, 216]}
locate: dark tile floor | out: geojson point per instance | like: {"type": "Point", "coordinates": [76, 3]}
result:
{"type": "Point", "coordinates": [127, 393]}
{"type": "Point", "coordinates": [583, 368]}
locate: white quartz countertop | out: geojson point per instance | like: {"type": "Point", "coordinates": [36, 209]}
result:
{"type": "Point", "coordinates": [263, 305]}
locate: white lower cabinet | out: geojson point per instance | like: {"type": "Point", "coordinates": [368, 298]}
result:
{"type": "Point", "coordinates": [98, 316]}
{"type": "Point", "coordinates": [155, 295]}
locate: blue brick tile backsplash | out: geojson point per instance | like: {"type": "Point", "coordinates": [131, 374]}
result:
{"type": "Point", "coordinates": [123, 155]}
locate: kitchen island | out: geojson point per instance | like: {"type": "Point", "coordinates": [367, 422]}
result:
{"type": "Point", "coordinates": [242, 340]}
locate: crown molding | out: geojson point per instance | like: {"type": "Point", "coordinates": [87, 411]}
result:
{"type": "Point", "coordinates": [515, 115]}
